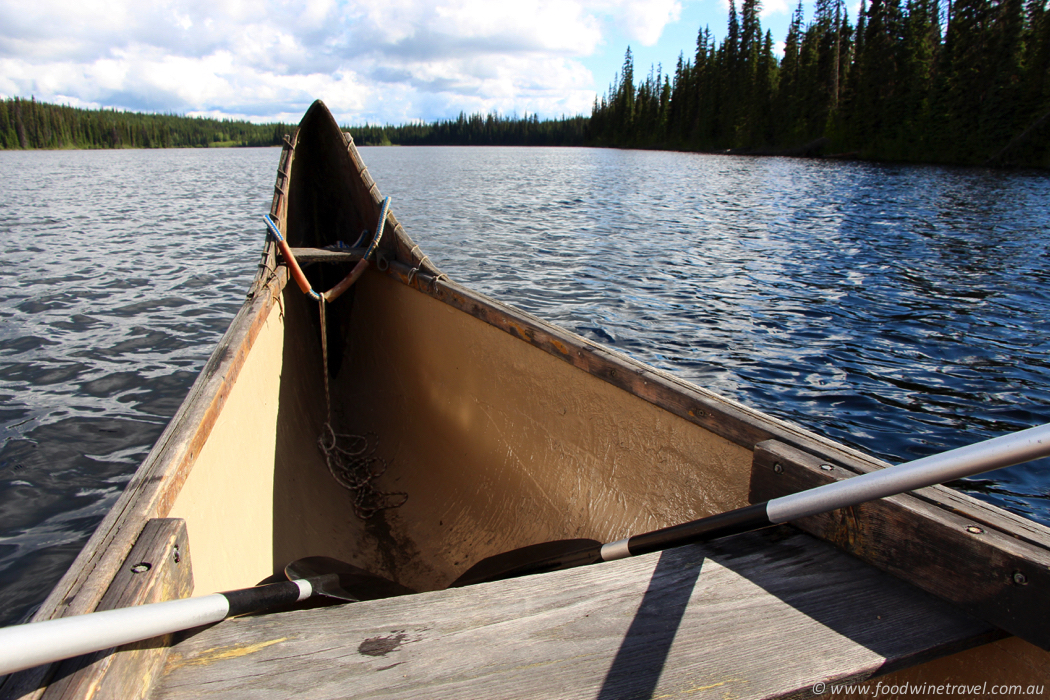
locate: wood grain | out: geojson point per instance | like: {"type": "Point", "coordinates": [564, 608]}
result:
{"type": "Point", "coordinates": [314, 255]}
{"type": "Point", "coordinates": [987, 571]}
{"type": "Point", "coordinates": [128, 671]}
{"type": "Point", "coordinates": [759, 615]}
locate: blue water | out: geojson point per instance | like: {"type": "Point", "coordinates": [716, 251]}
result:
{"type": "Point", "coordinates": [900, 309]}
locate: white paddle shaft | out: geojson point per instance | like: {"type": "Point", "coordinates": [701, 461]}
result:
{"type": "Point", "coordinates": [36, 643]}
{"type": "Point", "coordinates": [25, 646]}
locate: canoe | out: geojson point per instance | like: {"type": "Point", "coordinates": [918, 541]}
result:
{"type": "Point", "coordinates": [469, 428]}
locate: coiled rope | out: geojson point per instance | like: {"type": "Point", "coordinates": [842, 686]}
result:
{"type": "Point", "coordinates": [351, 458]}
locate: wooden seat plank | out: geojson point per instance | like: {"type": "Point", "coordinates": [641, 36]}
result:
{"type": "Point", "coordinates": [312, 255]}
{"type": "Point", "coordinates": [926, 541]}
{"type": "Point", "coordinates": [753, 616]}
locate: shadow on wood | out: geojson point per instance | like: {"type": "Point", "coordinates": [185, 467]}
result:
{"type": "Point", "coordinates": [881, 619]}
{"type": "Point", "coordinates": [636, 670]}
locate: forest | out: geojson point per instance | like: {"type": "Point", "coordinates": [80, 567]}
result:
{"type": "Point", "coordinates": [912, 81]}
{"type": "Point", "coordinates": [966, 84]}
{"type": "Point", "coordinates": [478, 130]}
{"type": "Point", "coordinates": [31, 124]}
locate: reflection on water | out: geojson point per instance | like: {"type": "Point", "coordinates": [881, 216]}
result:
{"type": "Point", "coordinates": [902, 310]}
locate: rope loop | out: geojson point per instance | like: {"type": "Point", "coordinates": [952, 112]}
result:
{"type": "Point", "coordinates": [419, 268]}
{"type": "Point", "coordinates": [351, 459]}
{"type": "Point", "coordinates": [355, 467]}
{"type": "Point", "coordinates": [440, 277]}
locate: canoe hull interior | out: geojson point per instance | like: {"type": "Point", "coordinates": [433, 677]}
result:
{"type": "Point", "coordinates": [497, 444]}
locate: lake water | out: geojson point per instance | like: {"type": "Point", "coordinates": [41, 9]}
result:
{"type": "Point", "coordinates": [900, 309]}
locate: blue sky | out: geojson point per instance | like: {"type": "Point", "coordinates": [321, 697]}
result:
{"type": "Point", "coordinates": [388, 62]}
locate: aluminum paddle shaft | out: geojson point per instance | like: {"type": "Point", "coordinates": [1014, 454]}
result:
{"type": "Point", "coordinates": [984, 456]}
{"type": "Point", "coordinates": [996, 453]}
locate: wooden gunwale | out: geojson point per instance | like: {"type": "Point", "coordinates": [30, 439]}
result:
{"type": "Point", "coordinates": [918, 541]}
{"type": "Point", "coordinates": [123, 675]}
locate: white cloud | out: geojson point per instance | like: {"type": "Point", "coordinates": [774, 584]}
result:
{"type": "Point", "coordinates": [775, 7]}
{"type": "Point", "coordinates": [388, 62]}
{"type": "Point", "coordinates": [644, 21]}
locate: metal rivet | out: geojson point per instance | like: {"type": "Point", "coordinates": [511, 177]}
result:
{"type": "Point", "coordinates": [975, 530]}
{"type": "Point", "coordinates": [141, 568]}
{"type": "Point", "coordinates": [1020, 579]}
{"type": "Point", "coordinates": [826, 467]}
{"type": "Point", "coordinates": [778, 468]}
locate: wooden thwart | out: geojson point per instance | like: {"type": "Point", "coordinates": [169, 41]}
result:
{"type": "Point", "coordinates": [690, 621]}
{"type": "Point", "coordinates": [312, 255]}
{"type": "Point", "coordinates": [971, 557]}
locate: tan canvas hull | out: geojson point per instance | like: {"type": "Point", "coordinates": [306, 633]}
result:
{"type": "Point", "coordinates": [497, 444]}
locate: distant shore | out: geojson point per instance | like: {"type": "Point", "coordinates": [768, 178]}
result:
{"type": "Point", "coordinates": [31, 125]}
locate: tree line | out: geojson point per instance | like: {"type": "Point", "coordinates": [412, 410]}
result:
{"type": "Point", "coordinates": [912, 81]}
{"type": "Point", "coordinates": [31, 124]}
{"type": "Point", "coordinates": [479, 130]}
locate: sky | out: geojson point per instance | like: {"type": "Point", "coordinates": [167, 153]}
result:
{"type": "Point", "coordinates": [389, 62]}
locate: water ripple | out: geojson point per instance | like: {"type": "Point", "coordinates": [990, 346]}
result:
{"type": "Point", "coordinates": [121, 271]}
{"type": "Point", "coordinates": [903, 310]}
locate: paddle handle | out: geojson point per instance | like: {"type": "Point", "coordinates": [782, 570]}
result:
{"type": "Point", "coordinates": [1004, 451]}
{"type": "Point", "coordinates": [36, 643]}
